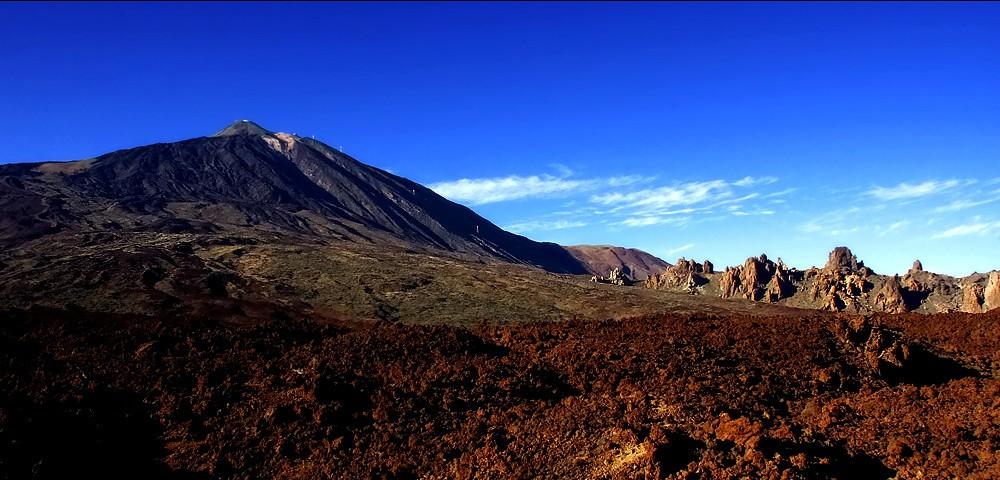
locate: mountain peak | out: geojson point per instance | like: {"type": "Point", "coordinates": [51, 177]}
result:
{"type": "Point", "coordinates": [242, 127]}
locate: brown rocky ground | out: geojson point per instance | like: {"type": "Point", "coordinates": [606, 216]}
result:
{"type": "Point", "coordinates": [693, 395]}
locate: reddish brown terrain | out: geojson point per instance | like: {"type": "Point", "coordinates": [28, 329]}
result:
{"type": "Point", "coordinates": [790, 395]}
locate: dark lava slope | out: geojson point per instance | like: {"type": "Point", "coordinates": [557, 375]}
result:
{"type": "Point", "coordinates": [246, 179]}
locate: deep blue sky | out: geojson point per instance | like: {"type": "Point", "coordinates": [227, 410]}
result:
{"type": "Point", "coordinates": [871, 125]}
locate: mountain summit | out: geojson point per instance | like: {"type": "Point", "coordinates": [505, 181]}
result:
{"type": "Point", "coordinates": [242, 127]}
{"type": "Point", "coordinates": [246, 179]}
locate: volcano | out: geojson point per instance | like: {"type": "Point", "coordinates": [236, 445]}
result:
{"type": "Point", "coordinates": [248, 179]}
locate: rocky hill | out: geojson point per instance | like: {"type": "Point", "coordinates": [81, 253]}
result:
{"type": "Point", "coordinates": [602, 259]}
{"type": "Point", "coordinates": [844, 283]}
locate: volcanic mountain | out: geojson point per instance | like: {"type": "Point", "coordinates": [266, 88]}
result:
{"type": "Point", "coordinates": [246, 178]}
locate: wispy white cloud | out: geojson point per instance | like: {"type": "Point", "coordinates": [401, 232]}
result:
{"type": "Point", "coordinates": [913, 190]}
{"type": "Point", "coordinates": [625, 180]}
{"type": "Point", "coordinates": [751, 181]}
{"type": "Point", "coordinates": [668, 196]}
{"type": "Point", "coordinates": [563, 170]}
{"type": "Point", "coordinates": [665, 204]}
{"type": "Point", "coordinates": [979, 228]}
{"type": "Point", "coordinates": [536, 226]}
{"type": "Point", "coordinates": [479, 191]}
{"type": "Point", "coordinates": [781, 193]}
{"type": "Point", "coordinates": [653, 220]}
{"type": "Point", "coordinates": [894, 227]}
{"type": "Point", "coordinates": [963, 204]}
{"type": "Point", "coordinates": [836, 222]}
{"type": "Point", "coordinates": [742, 213]}
{"type": "Point", "coordinates": [489, 190]}
{"type": "Point", "coordinates": [682, 248]}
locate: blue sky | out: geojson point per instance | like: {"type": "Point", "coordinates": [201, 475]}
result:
{"type": "Point", "coordinates": [702, 130]}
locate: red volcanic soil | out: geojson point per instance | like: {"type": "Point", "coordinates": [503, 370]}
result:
{"type": "Point", "coordinates": [674, 396]}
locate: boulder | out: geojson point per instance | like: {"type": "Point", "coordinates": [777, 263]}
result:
{"type": "Point", "coordinates": [617, 276]}
{"type": "Point", "coordinates": [890, 298]}
{"type": "Point", "coordinates": [972, 298]}
{"type": "Point", "coordinates": [842, 260]}
{"type": "Point", "coordinates": [991, 294]}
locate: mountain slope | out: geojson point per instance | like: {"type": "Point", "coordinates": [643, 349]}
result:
{"type": "Point", "coordinates": [248, 179]}
{"type": "Point", "coordinates": [600, 259]}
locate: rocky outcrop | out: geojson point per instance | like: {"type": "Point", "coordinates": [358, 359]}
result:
{"type": "Point", "coordinates": [844, 283]}
{"type": "Point", "coordinates": [843, 260]}
{"type": "Point", "coordinates": [991, 294]}
{"type": "Point", "coordinates": [890, 298]}
{"type": "Point", "coordinates": [839, 284]}
{"type": "Point", "coordinates": [683, 275]}
{"type": "Point", "coordinates": [617, 276]}
{"type": "Point", "coordinates": [729, 283]}
{"type": "Point", "coordinates": [972, 298]}
{"type": "Point", "coordinates": [780, 286]}
{"type": "Point", "coordinates": [758, 279]}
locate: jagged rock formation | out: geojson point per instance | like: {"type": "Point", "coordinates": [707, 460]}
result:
{"type": "Point", "coordinates": [780, 286]}
{"type": "Point", "coordinates": [843, 284]}
{"type": "Point", "coordinates": [683, 275]}
{"type": "Point", "coordinates": [617, 276]}
{"type": "Point", "coordinates": [840, 283]}
{"type": "Point", "coordinates": [890, 298]}
{"type": "Point", "coordinates": [758, 279]}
